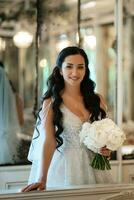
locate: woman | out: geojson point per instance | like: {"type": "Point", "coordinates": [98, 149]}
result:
{"type": "Point", "coordinates": [9, 124]}
{"type": "Point", "coordinates": [58, 158]}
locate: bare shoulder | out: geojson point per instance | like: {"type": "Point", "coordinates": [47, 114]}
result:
{"type": "Point", "coordinates": [46, 103]}
{"type": "Point", "coordinates": [103, 103]}
{"type": "Point", "coordinates": [47, 107]}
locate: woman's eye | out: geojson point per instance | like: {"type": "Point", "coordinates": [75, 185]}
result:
{"type": "Point", "coordinates": [81, 67]}
{"type": "Point", "coordinates": [69, 66]}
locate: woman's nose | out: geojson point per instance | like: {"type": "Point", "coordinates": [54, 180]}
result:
{"type": "Point", "coordinates": [74, 71]}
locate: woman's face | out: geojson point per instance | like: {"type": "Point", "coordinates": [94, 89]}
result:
{"type": "Point", "coordinates": [73, 69]}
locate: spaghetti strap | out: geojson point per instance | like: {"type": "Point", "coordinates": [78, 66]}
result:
{"type": "Point", "coordinates": [45, 109]}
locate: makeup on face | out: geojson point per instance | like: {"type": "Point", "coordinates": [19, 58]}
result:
{"type": "Point", "coordinates": [70, 65]}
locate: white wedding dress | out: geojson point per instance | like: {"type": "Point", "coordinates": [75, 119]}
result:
{"type": "Point", "coordinates": [9, 124]}
{"type": "Point", "coordinates": [71, 164]}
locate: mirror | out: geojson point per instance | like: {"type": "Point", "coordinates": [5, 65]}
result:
{"type": "Point", "coordinates": [17, 53]}
{"type": "Point", "coordinates": [128, 80]}
{"type": "Point", "coordinates": [97, 35]}
{"type": "Point", "coordinates": [94, 30]}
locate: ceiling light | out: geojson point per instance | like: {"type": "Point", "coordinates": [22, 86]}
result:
{"type": "Point", "coordinates": [90, 41]}
{"type": "Point", "coordinates": [62, 43]}
{"type": "Point", "coordinates": [23, 39]}
{"type": "Point", "coordinates": [90, 4]}
{"type": "Point", "coordinates": [43, 63]}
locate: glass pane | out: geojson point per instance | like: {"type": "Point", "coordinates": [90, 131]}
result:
{"type": "Point", "coordinates": [98, 39]}
{"type": "Point", "coordinates": [58, 31]}
{"type": "Point", "coordinates": [128, 80]}
{"type": "Point", "coordinates": [17, 78]}
{"type": "Point", "coordinates": [60, 27]}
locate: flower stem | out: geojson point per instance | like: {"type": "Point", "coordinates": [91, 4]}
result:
{"type": "Point", "coordinates": [100, 162]}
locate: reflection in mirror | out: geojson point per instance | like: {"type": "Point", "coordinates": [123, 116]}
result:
{"type": "Point", "coordinates": [9, 123]}
{"type": "Point", "coordinates": [17, 27]}
{"type": "Point", "coordinates": [128, 79]}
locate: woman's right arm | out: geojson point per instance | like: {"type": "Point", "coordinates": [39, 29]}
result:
{"type": "Point", "coordinates": [49, 147]}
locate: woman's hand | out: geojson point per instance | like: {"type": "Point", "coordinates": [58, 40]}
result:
{"type": "Point", "coordinates": [105, 152]}
{"type": "Point", "coordinates": [34, 186]}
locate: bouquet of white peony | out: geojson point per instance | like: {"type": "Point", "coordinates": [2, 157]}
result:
{"type": "Point", "coordinates": [99, 134]}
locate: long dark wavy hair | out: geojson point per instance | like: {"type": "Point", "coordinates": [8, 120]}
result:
{"type": "Point", "coordinates": [56, 84]}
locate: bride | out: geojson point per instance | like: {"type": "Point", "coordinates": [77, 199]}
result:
{"type": "Point", "coordinates": [58, 159]}
{"type": "Point", "coordinates": [9, 125]}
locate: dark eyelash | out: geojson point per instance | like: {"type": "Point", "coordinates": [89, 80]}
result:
{"type": "Point", "coordinates": [81, 67]}
{"type": "Point", "coordinates": [69, 66]}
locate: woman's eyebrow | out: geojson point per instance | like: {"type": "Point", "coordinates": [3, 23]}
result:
{"type": "Point", "coordinates": [81, 64]}
{"type": "Point", "coordinates": [69, 64]}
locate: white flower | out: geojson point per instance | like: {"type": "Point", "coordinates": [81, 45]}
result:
{"type": "Point", "coordinates": [115, 140]}
{"type": "Point", "coordinates": [101, 133]}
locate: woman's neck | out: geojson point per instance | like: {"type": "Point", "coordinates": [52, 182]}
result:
{"type": "Point", "coordinates": [72, 91]}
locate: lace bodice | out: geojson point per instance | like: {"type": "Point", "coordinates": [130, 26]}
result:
{"type": "Point", "coordinates": [70, 164]}
{"type": "Point", "coordinates": [72, 125]}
